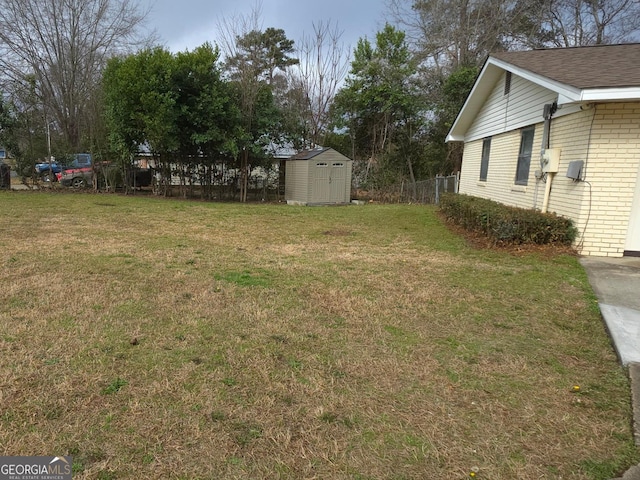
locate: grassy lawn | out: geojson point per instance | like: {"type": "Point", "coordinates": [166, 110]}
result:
{"type": "Point", "coordinates": [154, 338]}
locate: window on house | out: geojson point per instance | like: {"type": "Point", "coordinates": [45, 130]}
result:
{"type": "Point", "coordinates": [524, 157]}
{"type": "Point", "coordinates": [484, 163]}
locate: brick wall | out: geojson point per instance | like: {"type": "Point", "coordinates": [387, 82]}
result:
{"type": "Point", "coordinates": [501, 173]}
{"type": "Point", "coordinates": [611, 169]}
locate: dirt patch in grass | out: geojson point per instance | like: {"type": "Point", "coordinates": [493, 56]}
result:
{"type": "Point", "coordinates": [162, 339]}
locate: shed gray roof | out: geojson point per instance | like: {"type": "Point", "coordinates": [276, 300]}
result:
{"type": "Point", "coordinates": [600, 66]}
{"type": "Point", "coordinates": [309, 154]}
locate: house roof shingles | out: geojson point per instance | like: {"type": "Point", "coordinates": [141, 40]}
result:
{"type": "Point", "coordinates": [601, 66]}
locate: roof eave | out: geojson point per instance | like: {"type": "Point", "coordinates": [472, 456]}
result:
{"type": "Point", "coordinates": [610, 94]}
{"type": "Point", "coordinates": [491, 71]}
{"type": "Point", "coordinates": [454, 138]}
{"type": "Point", "coordinates": [487, 78]}
{"type": "Point", "coordinates": [566, 93]}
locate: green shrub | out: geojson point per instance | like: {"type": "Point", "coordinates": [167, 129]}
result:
{"type": "Point", "coordinates": [506, 224]}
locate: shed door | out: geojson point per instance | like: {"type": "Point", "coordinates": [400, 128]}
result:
{"type": "Point", "coordinates": [337, 181]}
{"type": "Point", "coordinates": [321, 182]}
{"type": "Point", "coordinates": [632, 246]}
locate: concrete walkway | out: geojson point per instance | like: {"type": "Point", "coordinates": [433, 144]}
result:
{"type": "Point", "coordinates": [616, 283]}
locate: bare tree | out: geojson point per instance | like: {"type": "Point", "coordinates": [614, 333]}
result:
{"type": "Point", "coordinates": [448, 34]}
{"type": "Point", "coordinates": [64, 45]}
{"type": "Point", "coordinates": [256, 63]}
{"type": "Point", "coordinates": [453, 33]}
{"type": "Point", "coordinates": [324, 62]}
{"type": "Point", "coordinates": [231, 29]}
{"type": "Point", "coordinates": [570, 23]}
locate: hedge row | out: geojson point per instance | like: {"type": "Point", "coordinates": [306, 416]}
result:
{"type": "Point", "coordinates": [506, 224]}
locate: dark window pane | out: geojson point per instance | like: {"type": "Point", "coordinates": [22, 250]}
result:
{"type": "Point", "coordinates": [484, 164]}
{"type": "Point", "coordinates": [524, 158]}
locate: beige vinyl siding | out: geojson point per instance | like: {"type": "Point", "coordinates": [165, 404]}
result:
{"type": "Point", "coordinates": [501, 113]}
{"type": "Point", "coordinates": [491, 117]}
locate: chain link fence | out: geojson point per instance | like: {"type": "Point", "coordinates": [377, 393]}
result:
{"type": "Point", "coordinates": [424, 191]}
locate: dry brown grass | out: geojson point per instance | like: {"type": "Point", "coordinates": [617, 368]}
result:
{"type": "Point", "coordinates": [166, 339]}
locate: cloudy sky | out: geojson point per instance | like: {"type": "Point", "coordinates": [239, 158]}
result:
{"type": "Point", "coordinates": [186, 24]}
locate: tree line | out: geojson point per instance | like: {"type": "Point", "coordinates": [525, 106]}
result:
{"type": "Point", "coordinates": [81, 75]}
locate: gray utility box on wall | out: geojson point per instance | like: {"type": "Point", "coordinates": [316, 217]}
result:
{"type": "Point", "coordinates": [574, 171]}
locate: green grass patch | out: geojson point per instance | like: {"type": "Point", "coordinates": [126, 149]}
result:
{"type": "Point", "coordinates": [246, 278]}
{"type": "Point", "coordinates": [153, 338]}
{"type": "Point", "coordinates": [114, 387]}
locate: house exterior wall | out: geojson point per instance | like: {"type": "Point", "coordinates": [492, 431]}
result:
{"type": "Point", "coordinates": [500, 184]}
{"type": "Point", "coordinates": [522, 106]}
{"type": "Point", "coordinates": [606, 137]}
{"type": "Point", "coordinates": [611, 168]}
{"type": "Point", "coordinates": [632, 245]}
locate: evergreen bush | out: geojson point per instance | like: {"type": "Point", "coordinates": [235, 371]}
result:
{"type": "Point", "coordinates": [507, 224]}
